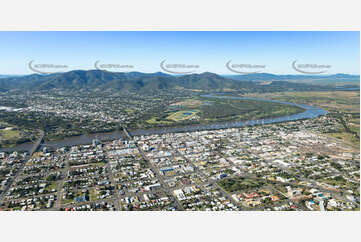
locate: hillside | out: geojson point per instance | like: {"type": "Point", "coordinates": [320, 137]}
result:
{"type": "Point", "coordinates": [149, 82]}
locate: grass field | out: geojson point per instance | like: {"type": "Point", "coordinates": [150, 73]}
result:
{"type": "Point", "coordinates": [93, 195]}
{"type": "Point", "coordinates": [8, 138]}
{"type": "Point", "coordinates": [346, 138]}
{"type": "Point", "coordinates": [129, 111]}
{"type": "Point", "coordinates": [9, 134]}
{"type": "Point", "coordinates": [355, 128]}
{"type": "Point", "coordinates": [155, 120]}
{"type": "Point", "coordinates": [53, 185]}
{"type": "Point", "coordinates": [182, 115]}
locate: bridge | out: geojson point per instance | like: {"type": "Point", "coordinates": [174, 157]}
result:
{"type": "Point", "coordinates": [127, 133]}
{"type": "Point", "coordinates": [36, 145]}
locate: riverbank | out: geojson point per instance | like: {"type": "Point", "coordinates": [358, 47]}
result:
{"type": "Point", "coordinates": [310, 112]}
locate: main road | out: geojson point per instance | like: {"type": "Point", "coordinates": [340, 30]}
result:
{"type": "Point", "coordinates": [34, 148]}
{"type": "Point", "coordinates": [156, 172]}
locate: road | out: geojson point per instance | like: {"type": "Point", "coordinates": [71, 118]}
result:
{"type": "Point", "coordinates": [59, 194]}
{"type": "Point", "coordinates": [33, 149]}
{"type": "Point", "coordinates": [116, 191]}
{"type": "Point", "coordinates": [156, 172]}
{"type": "Point", "coordinates": [213, 183]}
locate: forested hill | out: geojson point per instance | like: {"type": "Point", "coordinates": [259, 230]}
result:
{"type": "Point", "coordinates": [149, 82]}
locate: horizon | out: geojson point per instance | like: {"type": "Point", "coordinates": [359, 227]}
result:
{"type": "Point", "coordinates": [208, 51]}
{"type": "Point", "coordinates": [170, 74]}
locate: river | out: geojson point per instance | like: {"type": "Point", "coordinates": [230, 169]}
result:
{"type": "Point", "coordinates": [310, 112]}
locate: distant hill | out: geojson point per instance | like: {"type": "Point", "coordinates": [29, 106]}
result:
{"type": "Point", "coordinates": [8, 76]}
{"type": "Point", "coordinates": [311, 79]}
{"type": "Point", "coordinates": [254, 77]}
{"type": "Point", "coordinates": [133, 81]}
{"type": "Point", "coordinates": [97, 80]}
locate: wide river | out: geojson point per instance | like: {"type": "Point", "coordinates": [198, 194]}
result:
{"type": "Point", "coordinates": [310, 112]}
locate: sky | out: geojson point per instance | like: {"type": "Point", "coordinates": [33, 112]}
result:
{"type": "Point", "coordinates": [209, 51]}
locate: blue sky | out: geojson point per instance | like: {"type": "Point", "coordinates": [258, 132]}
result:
{"type": "Point", "coordinates": [210, 50]}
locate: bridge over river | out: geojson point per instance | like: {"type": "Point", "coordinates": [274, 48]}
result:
{"type": "Point", "coordinates": [308, 113]}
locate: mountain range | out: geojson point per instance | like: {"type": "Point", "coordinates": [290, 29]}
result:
{"type": "Point", "coordinates": [268, 76]}
{"type": "Point", "coordinates": [145, 82]}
